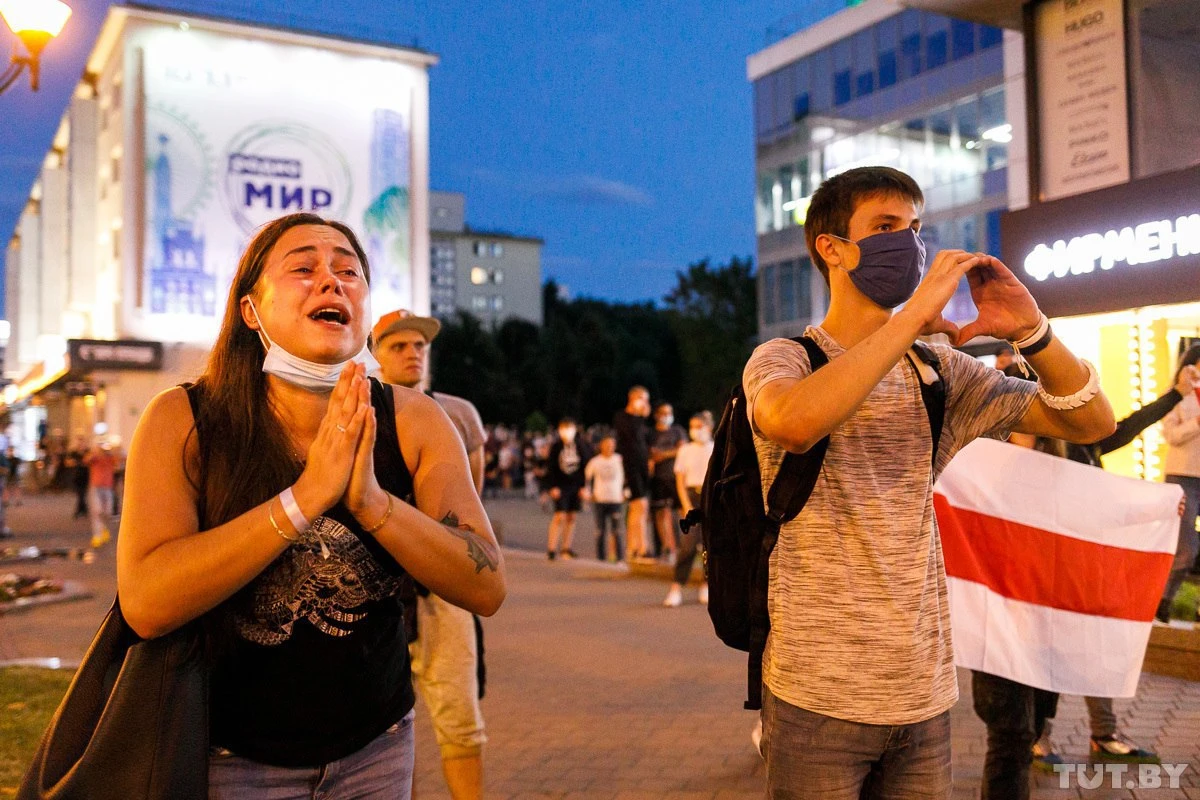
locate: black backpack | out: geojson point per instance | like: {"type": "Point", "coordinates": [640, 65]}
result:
{"type": "Point", "coordinates": [739, 535]}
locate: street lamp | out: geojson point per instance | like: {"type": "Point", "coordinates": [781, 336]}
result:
{"type": "Point", "coordinates": [35, 22]}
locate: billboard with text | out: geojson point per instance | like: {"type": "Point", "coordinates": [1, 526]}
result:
{"type": "Point", "coordinates": [240, 131]}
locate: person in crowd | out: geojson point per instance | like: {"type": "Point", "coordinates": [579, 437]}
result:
{"type": "Point", "coordinates": [529, 463]}
{"type": "Point", "coordinates": [266, 502]}
{"type": "Point", "coordinates": [691, 465]}
{"type": "Point", "coordinates": [568, 459]}
{"type": "Point", "coordinates": [445, 654]}
{"type": "Point", "coordinates": [664, 498]}
{"type": "Point", "coordinates": [79, 477]}
{"type": "Point", "coordinates": [12, 488]}
{"type": "Point", "coordinates": [1106, 743]}
{"type": "Point", "coordinates": [633, 443]}
{"type": "Point", "coordinates": [1181, 428]}
{"type": "Point", "coordinates": [101, 461]}
{"type": "Point", "coordinates": [858, 646]}
{"type": "Point", "coordinates": [5, 531]}
{"type": "Point", "coordinates": [605, 479]}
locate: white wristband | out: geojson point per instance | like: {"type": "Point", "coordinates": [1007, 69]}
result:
{"type": "Point", "coordinates": [1073, 401]}
{"type": "Point", "coordinates": [1033, 338]}
{"type": "Point", "coordinates": [292, 509]}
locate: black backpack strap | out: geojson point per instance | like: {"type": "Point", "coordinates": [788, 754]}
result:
{"type": "Point", "coordinates": [790, 490]}
{"type": "Point", "coordinates": [933, 393]}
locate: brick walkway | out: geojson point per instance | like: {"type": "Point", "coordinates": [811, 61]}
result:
{"type": "Point", "coordinates": [596, 691]}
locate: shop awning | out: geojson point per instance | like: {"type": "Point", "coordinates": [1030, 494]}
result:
{"type": "Point", "coordinates": [37, 378]}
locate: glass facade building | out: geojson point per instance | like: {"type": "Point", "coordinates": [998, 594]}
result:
{"type": "Point", "coordinates": [914, 90]}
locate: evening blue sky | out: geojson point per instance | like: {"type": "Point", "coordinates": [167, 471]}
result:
{"type": "Point", "coordinates": [620, 132]}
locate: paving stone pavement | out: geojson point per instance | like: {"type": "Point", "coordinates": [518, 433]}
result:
{"type": "Point", "coordinates": [596, 691]}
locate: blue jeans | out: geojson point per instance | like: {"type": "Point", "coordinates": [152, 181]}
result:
{"type": "Point", "coordinates": [810, 755]}
{"type": "Point", "coordinates": [383, 770]}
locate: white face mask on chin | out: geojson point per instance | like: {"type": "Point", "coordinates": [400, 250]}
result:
{"type": "Point", "coordinates": [310, 375]}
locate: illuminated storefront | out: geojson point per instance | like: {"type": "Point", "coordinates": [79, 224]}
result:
{"type": "Point", "coordinates": [1118, 270]}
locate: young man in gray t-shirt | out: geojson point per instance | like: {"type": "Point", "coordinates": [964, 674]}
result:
{"type": "Point", "coordinates": [858, 671]}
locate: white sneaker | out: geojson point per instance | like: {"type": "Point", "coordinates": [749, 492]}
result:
{"type": "Point", "coordinates": [674, 598]}
{"type": "Point", "coordinates": [703, 595]}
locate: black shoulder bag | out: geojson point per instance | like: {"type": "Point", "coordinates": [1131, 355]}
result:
{"type": "Point", "coordinates": [134, 722]}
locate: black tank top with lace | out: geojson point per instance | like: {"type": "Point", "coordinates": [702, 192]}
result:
{"type": "Point", "coordinates": [319, 663]}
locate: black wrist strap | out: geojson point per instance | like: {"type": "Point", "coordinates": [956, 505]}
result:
{"type": "Point", "coordinates": [1040, 345]}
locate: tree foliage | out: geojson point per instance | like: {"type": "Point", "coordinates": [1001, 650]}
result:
{"type": "Point", "coordinates": [689, 351]}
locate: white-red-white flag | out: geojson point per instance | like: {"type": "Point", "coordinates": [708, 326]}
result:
{"type": "Point", "coordinates": [1054, 568]}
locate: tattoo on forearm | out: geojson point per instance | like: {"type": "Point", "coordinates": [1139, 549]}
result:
{"type": "Point", "coordinates": [479, 549]}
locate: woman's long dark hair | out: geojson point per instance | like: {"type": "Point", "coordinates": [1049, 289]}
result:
{"type": "Point", "coordinates": [245, 456]}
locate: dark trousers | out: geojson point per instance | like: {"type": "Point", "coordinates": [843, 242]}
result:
{"type": "Point", "coordinates": [1015, 715]}
{"type": "Point", "coordinates": [608, 518]}
{"type": "Point", "coordinates": [81, 493]}
{"type": "Point", "coordinates": [689, 544]}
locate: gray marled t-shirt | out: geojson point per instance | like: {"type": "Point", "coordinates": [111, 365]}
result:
{"type": "Point", "coordinates": [860, 624]}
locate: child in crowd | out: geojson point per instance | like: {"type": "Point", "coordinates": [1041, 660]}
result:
{"type": "Point", "coordinates": [605, 476]}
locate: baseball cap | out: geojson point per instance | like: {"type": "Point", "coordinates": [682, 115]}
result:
{"type": "Point", "coordinates": [404, 320]}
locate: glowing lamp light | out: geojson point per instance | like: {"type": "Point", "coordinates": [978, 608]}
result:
{"type": "Point", "coordinates": [35, 22]}
{"type": "Point", "coordinates": [46, 17]}
{"type": "Point", "coordinates": [1001, 134]}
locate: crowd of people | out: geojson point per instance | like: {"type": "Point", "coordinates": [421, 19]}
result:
{"type": "Point", "coordinates": [317, 509]}
{"type": "Point", "coordinates": [93, 472]}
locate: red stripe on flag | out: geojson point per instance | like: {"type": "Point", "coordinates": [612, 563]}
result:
{"type": "Point", "coordinates": [1037, 566]}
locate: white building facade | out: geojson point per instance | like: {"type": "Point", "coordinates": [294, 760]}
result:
{"type": "Point", "coordinates": [185, 135]}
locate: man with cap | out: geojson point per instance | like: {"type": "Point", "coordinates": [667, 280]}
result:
{"type": "Point", "coordinates": [445, 653]}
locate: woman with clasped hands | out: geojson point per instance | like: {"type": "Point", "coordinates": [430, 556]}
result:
{"type": "Point", "coordinates": [268, 501]}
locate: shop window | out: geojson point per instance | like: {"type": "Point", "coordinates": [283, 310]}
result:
{"type": "Point", "coordinates": [887, 68]}
{"type": "Point", "coordinates": [962, 39]}
{"type": "Point", "coordinates": [935, 49]}
{"type": "Point", "coordinates": [841, 87]}
{"type": "Point", "coordinates": [787, 292]}
{"type": "Point", "coordinates": [910, 44]}
{"type": "Point", "coordinates": [769, 290]}
{"type": "Point", "coordinates": [910, 55]}
{"type": "Point", "coordinates": [819, 66]}
{"type": "Point", "coordinates": [992, 245]}
{"type": "Point", "coordinates": [864, 84]}
{"type": "Point", "coordinates": [800, 107]}
{"type": "Point", "coordinates": [989, 37]}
